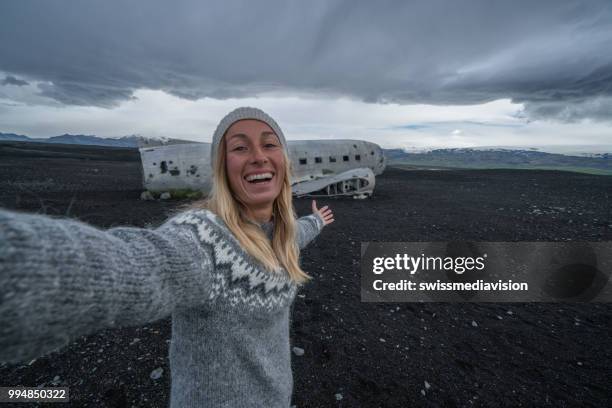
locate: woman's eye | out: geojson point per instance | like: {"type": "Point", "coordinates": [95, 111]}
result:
{"type": "Point", "coordinates": [271, 145]}
{"type": "Point", "coordinates": [239, 148]}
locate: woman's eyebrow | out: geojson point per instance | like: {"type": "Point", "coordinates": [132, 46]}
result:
{"type": "Point", "coordinates": [239, 135]}
{"type": "Point", "coordinates": [265, 133]}
{"type": "Point", "coordinates": [267, 136]}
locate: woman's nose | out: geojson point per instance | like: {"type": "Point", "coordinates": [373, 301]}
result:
{"type": "Point", "coordinates": [259, 155]}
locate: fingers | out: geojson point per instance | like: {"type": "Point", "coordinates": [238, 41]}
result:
{"type": "Point", "coordinates": [325, 212]}
{"type": "Point", "coordinates": [327, 215]}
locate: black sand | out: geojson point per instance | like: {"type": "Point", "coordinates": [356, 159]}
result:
{"type": "Point", "coordinates": [371, 355]}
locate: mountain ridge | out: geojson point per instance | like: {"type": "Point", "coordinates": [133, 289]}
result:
{"type": "Point", "coordinates": [499, 158]}
{"type": "Point", "coordinates": [133, 141]}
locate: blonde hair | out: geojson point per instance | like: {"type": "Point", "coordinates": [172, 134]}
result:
{"type": "Point", "coordinates": [283, 251]}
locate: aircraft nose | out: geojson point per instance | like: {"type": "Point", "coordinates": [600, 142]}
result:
{"type": "Point", "coordinates": [382, 161]}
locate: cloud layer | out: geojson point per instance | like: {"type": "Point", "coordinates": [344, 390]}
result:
{"type": "Point", "coordinates": [552, 56]}
{"type": "Point", "coordinates": [11, 80]}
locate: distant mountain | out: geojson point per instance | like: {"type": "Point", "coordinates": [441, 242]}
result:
{"type": "Point", "coordinates": [499, 158]}
{"type": "Point", "coordinates": [592, 150]}
{"type": "Point", "coordinates": [14, 137]}
{"type": "Point", "coordinates": [133, 141]}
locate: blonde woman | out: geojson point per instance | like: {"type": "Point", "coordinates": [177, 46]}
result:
{"type": "Point", "coordinates": [226, 270]}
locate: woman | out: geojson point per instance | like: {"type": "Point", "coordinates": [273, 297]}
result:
{"type": "Point", "coordinates": [227, 274]}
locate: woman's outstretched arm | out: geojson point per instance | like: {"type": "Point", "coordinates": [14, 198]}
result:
{"type": "Point", "coordinates": [310, 226]}
{"type": "Point", "coordinates": [61, 279]}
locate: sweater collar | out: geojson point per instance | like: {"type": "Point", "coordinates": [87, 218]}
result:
{"type": "Point", "coordinates": [267, 226]}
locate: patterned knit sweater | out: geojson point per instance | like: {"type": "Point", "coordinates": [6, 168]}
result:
{"type": "Point", "coordinates": [61, 279]}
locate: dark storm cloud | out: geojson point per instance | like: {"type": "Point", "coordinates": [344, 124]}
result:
{"type": "Point", "coordinates": [11, 80]}
{"type": "Point", "coordinates": [85, 93]}
{"type": "Point", "coordinates": [551, 55]}
{"type": "Point", "coordinates": [597, 108]}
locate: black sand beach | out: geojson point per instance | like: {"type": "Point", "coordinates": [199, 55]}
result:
{"type": "Point", "coordinates": [355, 354]}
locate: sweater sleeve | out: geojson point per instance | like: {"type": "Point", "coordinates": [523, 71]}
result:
{"type": "Point", "coordinates": [61, 279]}
{"type": "Point", "coordinates": [308, 229]}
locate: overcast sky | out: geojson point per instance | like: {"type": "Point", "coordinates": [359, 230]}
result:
{"type": "Point", "coordinates": [398, 73]}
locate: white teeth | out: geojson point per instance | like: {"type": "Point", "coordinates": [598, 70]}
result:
{"type": "Point", "coordinates": [259, 176]}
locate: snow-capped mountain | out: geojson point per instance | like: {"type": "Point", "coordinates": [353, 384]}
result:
{"type": "Point", "coordinates": [133, 141]}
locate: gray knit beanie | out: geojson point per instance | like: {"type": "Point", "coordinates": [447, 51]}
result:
{"type": "Point", "coordinates": [240, 114]}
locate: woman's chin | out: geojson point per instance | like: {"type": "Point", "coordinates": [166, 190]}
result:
{"type": "Point", "coordinates": [260, 199]}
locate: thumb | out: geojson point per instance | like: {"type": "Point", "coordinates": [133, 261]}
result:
{"type": "Point", "coordinates": [314, 206]}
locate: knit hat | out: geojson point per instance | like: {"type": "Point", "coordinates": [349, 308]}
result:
{"type": "Point", "coordinates": [240, 114]}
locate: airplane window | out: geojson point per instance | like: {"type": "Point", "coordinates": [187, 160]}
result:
{"type": "Point", "coordinates": [332, 159]}
{"type": "Point", "coordinates": [303, 161]}
{"type": "Point", "coordinates": [345, 158]}
{"type": "Point", "coordinates": [357, 157]}
{"type": "Point", "coordinates": [372, 153]}
{"type": "Point", "coordinates": [318, 160]}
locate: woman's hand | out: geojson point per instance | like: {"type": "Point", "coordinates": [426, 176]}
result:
{"type": "Point", "coordinates": [324, 213]}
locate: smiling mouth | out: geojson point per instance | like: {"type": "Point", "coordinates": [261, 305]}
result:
{"type": "Point", "coordinates": [262, 178]}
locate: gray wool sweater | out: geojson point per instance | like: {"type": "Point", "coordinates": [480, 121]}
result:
{"type": "Point", "coordinates": [61, 279]}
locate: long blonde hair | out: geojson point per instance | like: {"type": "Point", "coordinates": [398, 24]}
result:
{"type": "Point", "coordinates": [283, 251]}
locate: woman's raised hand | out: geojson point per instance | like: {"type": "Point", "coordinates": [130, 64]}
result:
{"type": "Point", "coordinates": [325, 213]}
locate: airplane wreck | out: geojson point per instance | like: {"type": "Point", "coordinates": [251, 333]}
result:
{"type": "Point", "coordinates": [320, 167]}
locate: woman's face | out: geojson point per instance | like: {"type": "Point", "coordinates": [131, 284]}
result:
{"type": "Point", "coordinates": [254, 162]}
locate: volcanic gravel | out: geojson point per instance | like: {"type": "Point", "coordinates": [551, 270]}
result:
{"type": "Point", "coordinates": [349, 353]}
